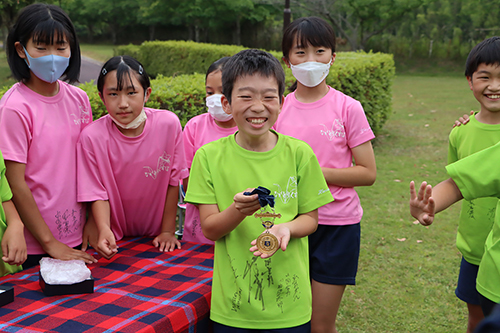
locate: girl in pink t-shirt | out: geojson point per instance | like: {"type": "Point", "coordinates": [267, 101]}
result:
{"type": "Point", "coordinates": [40, 121]}
{"type": "Point", "coordinates": [200, 130]}
{"type": "Point", "coordinates": [130, 163]}
{"type": "Point", "coordinates": [336, 128]}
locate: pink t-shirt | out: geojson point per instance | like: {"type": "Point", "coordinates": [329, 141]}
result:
{"type": "Point", "coordinates": [332, 126]}
{"type": "Point", "coordinates": [133, 173]}
{"type": "Point", "coordinates": [199, 131]}
{"type": "Point", "coordinates": [42, 133]}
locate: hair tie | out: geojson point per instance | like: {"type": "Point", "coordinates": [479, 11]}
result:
{"type": "Point", "coordinates": [141, 70]}
{"type": "Point", "coordinates": [104, 71]}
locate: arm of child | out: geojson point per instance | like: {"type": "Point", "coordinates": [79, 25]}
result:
{"type": "Point", "coordinates": [13, 243]}
{"type": "Point", "coordinates": [99, 222]}
{"type": "Point", "coordinates": [303, 225]}
{"type": "Point", "coordinates": [166, 240]}
{"type": "Point", "coordinates": [33, 220]}
{"type": "Point", "coordinates": [216, 224]}
{"type": "Point", "coordinates": [431, 201]}
{"type": "Point", "coordinates": [361, 174]}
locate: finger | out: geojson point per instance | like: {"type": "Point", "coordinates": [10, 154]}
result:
{"type": "Point", "coordinates": [427, 194]}
{"type": "Point", "coordinates": [155, 243]}
{"type": "Point", "coordinates": [178, 244]}
{"type": "Point", "coordinates": [421, 191]}
{"type": "Point", "coordinates": [413, 193]}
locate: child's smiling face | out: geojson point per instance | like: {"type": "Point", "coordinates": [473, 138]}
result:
{"type": "Point", "coordinates": [255, 104]}
{"type": "Point", "coordinates": [485, 85]}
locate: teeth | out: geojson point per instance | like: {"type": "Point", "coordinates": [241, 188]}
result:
{"type": "Point", "coordinates": [494, 96]}
{"type": "Point", "coordinates": [257, 121]}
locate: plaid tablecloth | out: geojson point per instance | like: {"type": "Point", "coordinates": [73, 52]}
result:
{"type": "Point", "coordinates": [138, 290]}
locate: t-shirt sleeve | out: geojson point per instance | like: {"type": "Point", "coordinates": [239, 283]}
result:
{"type": "Point", "coordinates": [5, 192]}
{"type": "Point", "coordinates": [312, 189]}
{"type": "Point", "coordinates": [15, 135]}
{"type": "Point", "coordinates": [188, 136]}
{"type": "Point", "coordinates": [357, 129]}
{"type": "Point", "coordinates": [475, 174]}
{"type": "Point", "coordinates": [200, 188]}
{"type": "Point", "coordinates": [179, 169]}
{"type": "Point", "coordinates": [90, 186]}
{"type": "Point", "coordinates": [452, 147]}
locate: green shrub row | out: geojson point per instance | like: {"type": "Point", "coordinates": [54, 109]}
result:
{"type": "Point", "coordinates": [366, 77]}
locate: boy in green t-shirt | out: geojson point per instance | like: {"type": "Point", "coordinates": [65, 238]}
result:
{"type": "Point", "coordinates": [482, 131]}
{"type": "Point", "coordinates": [13, 249]}
{"type": "Point", "coordinates": [256, 290]}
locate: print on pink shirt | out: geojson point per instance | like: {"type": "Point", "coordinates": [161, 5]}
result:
{"type": "Point", "coordinates": [337, 131]}
{"type": "Point", "coordinates": [162, 165]}
{"type": "Point", "coordinates": [84, 116]}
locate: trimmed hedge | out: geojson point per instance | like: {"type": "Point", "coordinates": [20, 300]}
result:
{"type": "Point", "coordinates": [366, 77]}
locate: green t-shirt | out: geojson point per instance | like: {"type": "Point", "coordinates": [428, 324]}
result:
{"type": "Point", "coordinates": [247, 291]}
{"type": "Point", "coordinates": [477, 216]}
{"type": "Point", "coordinates": [6, 195]}
{"type": "Point", "coordinates": [477, 176]}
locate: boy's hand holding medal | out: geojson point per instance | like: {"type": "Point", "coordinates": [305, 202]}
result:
{"type": "Point", "coordinates": [267, 243]}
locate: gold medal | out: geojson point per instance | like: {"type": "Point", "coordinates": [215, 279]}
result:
{"type": "Point", "coordinates": [267, 243]}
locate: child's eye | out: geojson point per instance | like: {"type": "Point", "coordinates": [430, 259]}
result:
{"type": "Point", "coordinates": [132, 92]}
{"type": "Point", "coordinates": [209, 93]}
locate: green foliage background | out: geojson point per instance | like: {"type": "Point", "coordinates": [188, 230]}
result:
{"type": "Point", "coordinates": [366, 77]}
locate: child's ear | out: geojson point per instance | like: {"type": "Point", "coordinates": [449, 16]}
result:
{"type": "Point", "coordinates": [20, 50]}
{"type": "Point", "coordinates": [286, 61]}
{"type": "Point", "coordinates": [281, 103]}
{"type": "Point", "coordinates": [334, 55]}
{"type": "Point", "coordinates": [102, 98]}
{"type": "Point", "coordinates": [226, 106]}
{"type": "Point", "coordinates": [469, 79]}
{"type": "Point", "coordinates": [147, 94]}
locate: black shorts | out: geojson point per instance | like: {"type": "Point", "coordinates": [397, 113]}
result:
{"type": "Point", "coordinates": [334, 254]}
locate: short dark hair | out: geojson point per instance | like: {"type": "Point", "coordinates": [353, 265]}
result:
{"type": "Point", "coordinates": [308, 31]}
{"type": "Point", "coordinates": [42, 23]}
{"type": "Point", "coordinates": [250, 62]}
{"type": "Point", "coordinates": [123, 65]}
{"type": "Point", "coordinates": [216, 66]}
{"type": "Point", "coordinates": [486, 52]}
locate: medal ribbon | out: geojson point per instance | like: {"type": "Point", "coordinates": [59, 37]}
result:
{"type": "Point", "coordinates": [265, 198]}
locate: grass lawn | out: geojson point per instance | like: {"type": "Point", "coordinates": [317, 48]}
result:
{"type": "Point", "coordinates": [98, 52]}
{"type": "Point", "coordinates": [407, 272]}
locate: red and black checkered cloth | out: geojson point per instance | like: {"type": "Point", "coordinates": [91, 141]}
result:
{"type": "Point", "coordinates": [139, 290]}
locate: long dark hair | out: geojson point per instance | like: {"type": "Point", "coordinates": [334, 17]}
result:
{"type": "Point", "coordinates": [42, 23]}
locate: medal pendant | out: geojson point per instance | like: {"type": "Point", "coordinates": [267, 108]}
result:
{"type": "Point", "coordinates": [267, 243]}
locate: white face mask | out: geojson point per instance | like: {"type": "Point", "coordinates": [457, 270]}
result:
{"type": "Point", "coordinates": [310, 73]}
{"type": "Point", "coordinates": [134, 123]}
{"type": "Point", "coordinates": [214, 106]}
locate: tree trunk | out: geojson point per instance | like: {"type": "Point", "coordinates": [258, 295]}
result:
{"type": "Point", "coordinates": [237, 32]}
{"type": "Point", "coordinates": [152, 29]}
{"type": "Point", "coordinates": [196, 33]}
